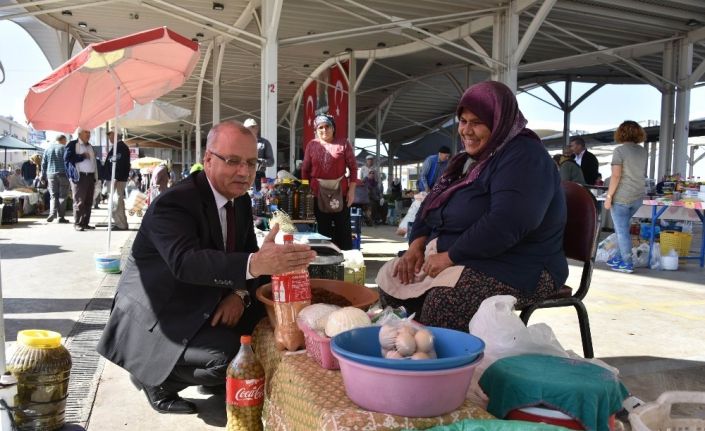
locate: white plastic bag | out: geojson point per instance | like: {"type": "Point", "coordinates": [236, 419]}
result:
{"type": "Point", "coordinates": [411, 214]}
{"type": "Point", "coordinates": [504, 334]}
{"type": "Point", "coordinates": [655, 262]}
{"type": "Point", "coordinates": [607, 249]}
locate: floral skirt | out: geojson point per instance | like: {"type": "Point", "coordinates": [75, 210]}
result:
{"type": "Point", "coordinates": [453, 306]}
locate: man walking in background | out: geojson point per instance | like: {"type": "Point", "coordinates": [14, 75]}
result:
{"type": "Point", "coordinates": [80, 163]}
{"type": "Point", "coordinates": [585, 159]}
{"type": "Point", "coordinates": [54, 172]}
{"type": "Point", "coordinates": [122, 172]}
{"type": "Point", "coordinates": [265, 156]}
{"type": "Point", "coordinates": [432, 169]}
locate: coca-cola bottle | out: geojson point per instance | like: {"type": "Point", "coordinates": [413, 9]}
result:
{"type": "Point", "coordinates": [244, 390]}
{"type": "Point", "coordinates": [291, 292]}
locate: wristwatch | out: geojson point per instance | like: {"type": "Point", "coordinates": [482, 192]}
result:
{"type": "Point", "coordinates": [245, 296]}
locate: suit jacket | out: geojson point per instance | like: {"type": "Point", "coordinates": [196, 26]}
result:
{"type": "Point", "coordinates": [174, 278]}
{"type": "Point", "coordinates": [70, 160]}
{"type": "Point", "coordinates": [122, 165]}
{"type": "Point", "coordinates": [590, 167]}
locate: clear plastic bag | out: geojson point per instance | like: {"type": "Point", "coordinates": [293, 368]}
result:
{"type": "Point", "coordinates": [607, 249]}
{"type": "Point", "coordinates": [640, 256]}
{"type": "Point", "coordinates": [406, 339]}
{"type": "Point", "coordinates": [655, 262]}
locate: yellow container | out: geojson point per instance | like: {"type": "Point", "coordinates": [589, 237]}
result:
{"type": "Point", "coordinates": [355, 275]}
{"type": "Point", "coordinates": [678, 241]}
{"type": "Point", "coordinates": [42, 367]}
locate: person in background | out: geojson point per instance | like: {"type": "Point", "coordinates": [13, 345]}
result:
{"type": "Point", "coordinates": [599, 181]}
{"type": "Point", "coordinates": [195, 168]}
{"type": "Point", "coordinates": [15, 180]}
{"type": "Point", "coordinates": [377, 204]}
{"type": "Point", "coordinates": [160, 180]}
{"type": "Point", "coordinates": [626, 190]}
{"type": "Point", "coordinates": [367, 167]}
{"type": "Point", "coordinates": [265, 156]}
{"type": "Point", "coordinates": [80, 163]}
{"type": "Point", "coordinates": [432, 169]}
{"type": "Point", "coordinates": [469, 240]}
{"type": "Point", "coordinates": [569, 170]}
{"type": "Point", "coordinates": [297, 170]}
{"type": "Point", "coordinates": [187, 291]}
{"type": "Point", "coordinates": [585, 159]}
{"type": "Point", "coordinates": [29, 172]}
{"type": "Point", "coordinates": [396, 189]}
{"type": "Point", "coordinates": [122, 174]}
{"type": "Point", "coordinates": [54, 172]}
{"type": "Point", "coordinates": [327, 157]}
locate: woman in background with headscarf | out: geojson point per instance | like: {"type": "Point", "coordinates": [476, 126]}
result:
{"type": "Point", "coordinates": [491, 225]}
{"type": "Point", "coordinates": [327, 157]}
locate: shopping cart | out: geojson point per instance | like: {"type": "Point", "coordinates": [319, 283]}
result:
{"type": "Point", "coordinates": [135, 203]}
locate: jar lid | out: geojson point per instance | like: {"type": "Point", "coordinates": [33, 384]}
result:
{"type": "Point", "coordinates": [39, 338]}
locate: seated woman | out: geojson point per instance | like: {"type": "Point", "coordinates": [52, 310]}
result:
{"type": "Point", "coordinates": [492, 225]}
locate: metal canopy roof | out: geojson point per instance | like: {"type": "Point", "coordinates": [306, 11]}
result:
{"type": "Point", "coordinates": [426, 51]}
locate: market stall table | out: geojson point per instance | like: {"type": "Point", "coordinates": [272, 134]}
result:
{"type": "Point", "coordinates": [659, 206]}
{"type": "Point", "coordinates": [300, 395]}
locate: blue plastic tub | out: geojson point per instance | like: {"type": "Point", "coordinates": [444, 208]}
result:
{"type": "Point", "coordinates": [107, 262]}
{"type": "Point", "coordinates": [453, 348]}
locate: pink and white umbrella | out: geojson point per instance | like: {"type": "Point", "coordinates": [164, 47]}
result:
{"type": "Point", "coordinates": [134, 69]}
{"type": "Point", "coordinates": [139, 68]}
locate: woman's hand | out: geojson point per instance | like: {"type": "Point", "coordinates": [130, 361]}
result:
{"type": "Point", "coordinates": [436, 263]}
{"type": "Point", "coordinates": [409, 265]}
{"type": "Point", "coordinates": [608, 202]}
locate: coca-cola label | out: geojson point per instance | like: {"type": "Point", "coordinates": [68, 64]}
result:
{"type": "Point", "coordinates": [291, 287]}
{"type": "Point", "coordinates": [244, 392]}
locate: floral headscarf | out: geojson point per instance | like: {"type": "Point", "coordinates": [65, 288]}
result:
{"type": "Point", "coordinates": [494, 104]}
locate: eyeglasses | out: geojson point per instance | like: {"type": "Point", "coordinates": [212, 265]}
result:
{"type": "Point", "coordinates": [250, 164]}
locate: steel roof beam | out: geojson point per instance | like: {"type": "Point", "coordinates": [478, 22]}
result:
{"type": "Point", "coordinates": [531, 31]}
{"type": "Point", "coordinates": [234, 29]}
{"type": "Point", "coordinates": [24, 5]}
{"type": "Point", "coordinates": [622, 17]}
{"type": "Point", "coordinates": [641, 7]}
{"type": "Point", "coordinates": [52, 10]}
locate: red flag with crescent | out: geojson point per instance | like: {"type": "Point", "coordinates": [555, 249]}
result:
{"type": "Point", "coordinates": [338, 99]}
{"type": "Point", "coordinates": [309, 105]}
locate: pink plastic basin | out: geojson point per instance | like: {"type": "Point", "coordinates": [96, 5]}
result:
{"type": "Point", "coordinates": [405, 393]}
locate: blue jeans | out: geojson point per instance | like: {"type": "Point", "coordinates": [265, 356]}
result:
{"type": "Point", "coordinates": [621, 217]}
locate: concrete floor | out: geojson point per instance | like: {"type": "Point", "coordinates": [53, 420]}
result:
{"type": "Point", "coordinates": [648, 324]}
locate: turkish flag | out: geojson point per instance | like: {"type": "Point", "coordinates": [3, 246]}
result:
{"type": "Point", "coordinates": [338, 99]}
{"type": "Point", "coordinates": [309, 102]}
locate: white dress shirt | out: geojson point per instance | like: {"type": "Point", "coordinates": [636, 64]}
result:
{"type": "Point", "coordinates": [579, 157]}
{"type": "Point", "coordinates": [220, 202]}
{"type": "Point", "coordinates": [87, 165]}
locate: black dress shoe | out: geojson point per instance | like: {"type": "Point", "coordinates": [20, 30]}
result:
{"type": "Point", "coordinates": [88, 227]}
{"type": "Point", "coordinates": [211, 390]}
{"type": "Point", "coordinates": [63, 220]}
{"type": "Point", "coordinates": [78, 228]}
{"type": "Point", "coordinates": [164, 401]}
{"type": "Point", "coordinates": [51, 218]}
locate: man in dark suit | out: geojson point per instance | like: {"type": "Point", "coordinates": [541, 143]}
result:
{"type": "Point", "coordinates": [186, 293]}
{"type": "Point", "coordinates": [585, 159]}
{"type": "Point", "coordinates": [122, 172]}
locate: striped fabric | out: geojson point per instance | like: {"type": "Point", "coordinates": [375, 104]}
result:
{"type": "Point", "coordinates": [53, 160]}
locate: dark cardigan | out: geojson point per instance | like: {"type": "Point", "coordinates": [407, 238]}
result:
{"type": "Point", "coordinates": [509, 222]}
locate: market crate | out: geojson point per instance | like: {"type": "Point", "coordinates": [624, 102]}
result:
{"type": "Point", "coordinates": [318, 348]}
{"type": "Point", "coordinates": [656, 416]}
{"type": "Point", "coordinates": [355, 275]}
{"type": "Point", "coordinates": [678, 241]}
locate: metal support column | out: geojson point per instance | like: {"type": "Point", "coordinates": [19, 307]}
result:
{"type": "Point", "coordinates": [189, 150]}
{"type": "Point", "coordinates": [652, 159]}
{"type": "Point", "coordinates": [269, 87]}
{"type": "Point", "coordinates": [352, 100]}
{"type": "Point", "coordinates": [505, 40]}
{"type": "Point", "coordinates": [218, 54]}
{"type": "Point", "coordinates": [667, 110]}
{"type": "Point", "coordinates": [183, 154]}
{"type": "Point", "coordinates": [378, 138]}
{"type": "Point", "coordinates": [567, 109]}
{"type": "Point", "coordinates": [293, 115]}
{"type": "Point", "coordinates": [680, 133]}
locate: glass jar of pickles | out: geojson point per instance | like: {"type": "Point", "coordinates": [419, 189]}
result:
{"type": "Point", "coordinates": [41, 365]}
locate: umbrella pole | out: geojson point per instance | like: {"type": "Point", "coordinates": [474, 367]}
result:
{"type": "Point", "coordinates": [2, 330]}
{"type": "Point", "coordinates": [112, 173]}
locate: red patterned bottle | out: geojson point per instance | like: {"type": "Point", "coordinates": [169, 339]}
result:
{"type": "Point", "coordinates": [244, 390]}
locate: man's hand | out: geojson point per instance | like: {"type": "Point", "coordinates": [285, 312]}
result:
{"type": "Point", "coordinates": [229, 311]}
{"type": "Point", "coordinates": [278, 258]}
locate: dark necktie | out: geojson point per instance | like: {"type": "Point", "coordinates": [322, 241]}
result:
{"type": "Point", "coordinates": [230, 227]}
